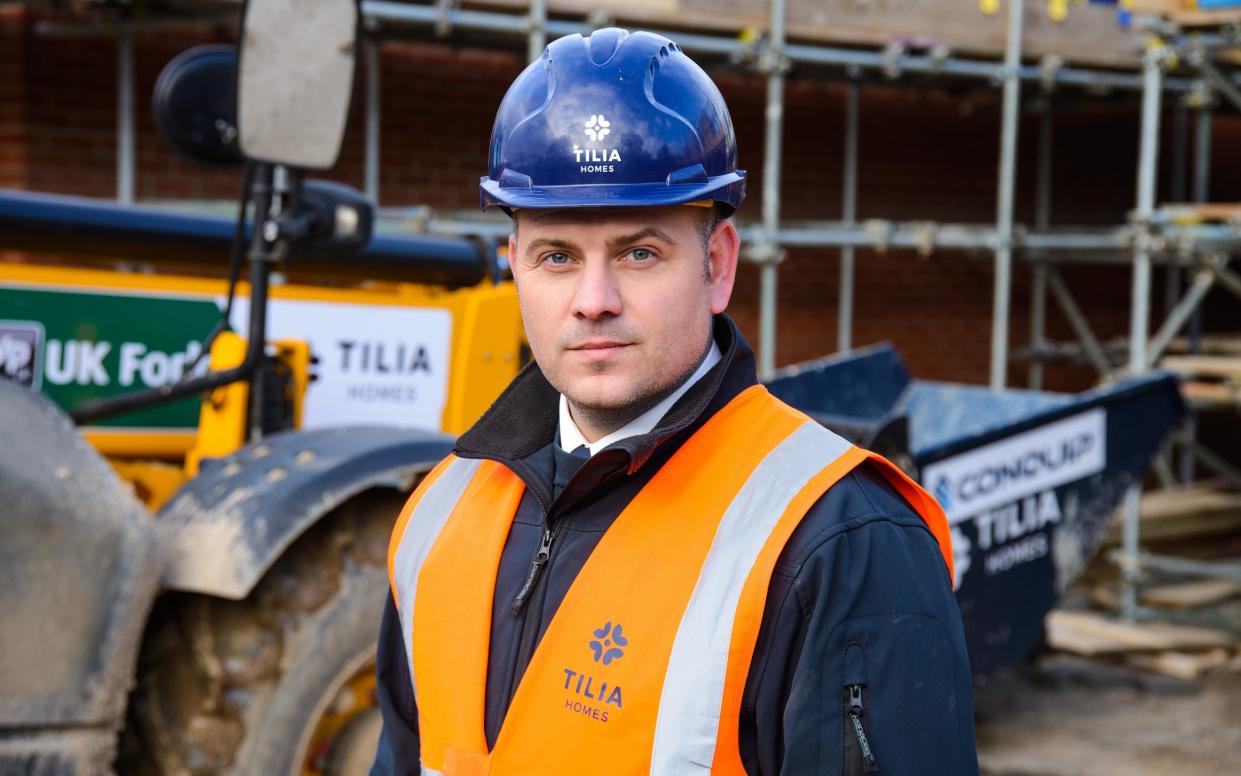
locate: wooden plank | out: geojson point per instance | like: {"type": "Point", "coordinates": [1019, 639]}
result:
{"type": "Point", "coordinates": [1184, 502]}
{"type": "Point", "coordinates": [1182, 665]}
{"type": "Point", "coordinates": [1184, 595]}
{"type": "Point", "coordinates": [1106, 596]}
{"type": "Point", "coordinates": [1223, 367]}
{"type": "Point", "coordinates": [1159, 6]}
{"type": "Point", "coordinates": [1218, 344]}
{"type": "Point", "coordinates": [1212, 17]}
{"type": "Point", "coordinates": [1062, 634]}
{"type": "Point", "coordinates": [1184, 512]}
{"type": "Point", "coordinates": [1210, 395]}
{"type": "Point", "coordinates": [1090, 35]}
{"type": "Point", "coordinates": [1206, 211]}
{"type": "Point", "coordinates": [1189, 594]}
{"type": "Point", "coordinates": [1095, 631]}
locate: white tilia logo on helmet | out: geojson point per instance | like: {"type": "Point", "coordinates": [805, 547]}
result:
{"type": "Point", "coordinates": [596, 159]}
{"type": "Point", "coordinates": [597, 127]}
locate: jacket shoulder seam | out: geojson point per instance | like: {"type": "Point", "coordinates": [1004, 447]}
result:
{"type": "Point", "coordinates": [793, 568]}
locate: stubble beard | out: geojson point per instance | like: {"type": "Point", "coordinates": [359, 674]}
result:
{"type": "Point", "coordinates": [606, 418]}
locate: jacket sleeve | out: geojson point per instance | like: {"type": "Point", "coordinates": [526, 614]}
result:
{"type": "Point", "coordinates": [398, 752]}
{"type": "Point", "coordinates": [860, 610]}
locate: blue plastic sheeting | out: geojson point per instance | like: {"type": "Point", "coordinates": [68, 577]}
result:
{"type": "Point", "coordinates": [944, 413]}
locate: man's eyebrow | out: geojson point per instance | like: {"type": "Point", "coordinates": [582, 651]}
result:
{"type": "Point", "coordinates": [641, 234]}
{"type": "Point", "coordinates": [551, 242]}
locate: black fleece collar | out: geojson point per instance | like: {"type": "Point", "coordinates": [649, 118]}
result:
{"type": "Point", "coordinates": [523, 419]}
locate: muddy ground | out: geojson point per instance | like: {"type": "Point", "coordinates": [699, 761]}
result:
{"type": "Point", "coordinates": [1067, 716]}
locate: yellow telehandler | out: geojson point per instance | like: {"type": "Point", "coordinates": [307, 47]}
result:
{"type": "Point", "coordinates": [199, 473]}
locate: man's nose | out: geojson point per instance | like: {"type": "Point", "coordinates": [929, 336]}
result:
{"type": "Point", "coordinates": [597, 293]}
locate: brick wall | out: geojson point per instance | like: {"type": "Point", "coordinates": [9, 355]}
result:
{"type": "Point", "coordinates": [14, 137]}
{"type": "Point", "coordinates": [924, 154]}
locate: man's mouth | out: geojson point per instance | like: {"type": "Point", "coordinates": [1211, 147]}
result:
{"type": "Point", "coordinates": [598, 346]}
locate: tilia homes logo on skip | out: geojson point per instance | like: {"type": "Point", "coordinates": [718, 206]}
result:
{"type": "Point", "coordinates": [1011, 469]}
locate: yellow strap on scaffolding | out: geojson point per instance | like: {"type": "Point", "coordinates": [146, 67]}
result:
{"type": "Point", "coordinates": [989, 7]}
{"type": "Point", "coordinates": [1170, 59]}
{"type": "Point", "coordinates": [1058, 10]}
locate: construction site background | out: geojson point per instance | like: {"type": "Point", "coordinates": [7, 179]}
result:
{"type": "Point", "coordinates": [925, 153]}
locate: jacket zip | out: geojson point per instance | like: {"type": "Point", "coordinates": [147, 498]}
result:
{"type": "Point", "coordinates": [521, 605]}
{"type": "Point", "coordinates": [536, 571]}
{"type": "Point", "coordinates": [857, 716]}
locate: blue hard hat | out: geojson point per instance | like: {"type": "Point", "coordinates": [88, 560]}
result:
{"type": "Point", "coordinates": [616, 119]}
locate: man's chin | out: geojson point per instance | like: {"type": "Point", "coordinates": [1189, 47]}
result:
{"type": "Point", "coordinates": [602, 400]}
{"type": "Point", "coordinates": [604, 392]}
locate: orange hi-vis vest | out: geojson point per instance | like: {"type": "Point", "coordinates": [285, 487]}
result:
{"type": "Point", "coordinates": [642, 668]}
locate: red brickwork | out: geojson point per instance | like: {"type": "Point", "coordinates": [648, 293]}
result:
{"type": "Point", "coordinates": [14, 131]}
{"type": "Point", "coordinates": [924, 154]}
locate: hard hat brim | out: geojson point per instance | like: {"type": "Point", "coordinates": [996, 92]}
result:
{"type": "Point", "coordinates": [728, 189]}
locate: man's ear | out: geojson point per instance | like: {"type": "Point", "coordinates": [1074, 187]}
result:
{"type": "Point", "coordinates": [722, 251]}
{"type": "Point", "coordinates": [512, 251]}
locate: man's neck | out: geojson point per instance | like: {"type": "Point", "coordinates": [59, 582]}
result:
{"type": "Point", "coordinates": [595, 424]}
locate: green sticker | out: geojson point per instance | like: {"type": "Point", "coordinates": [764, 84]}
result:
{"type": "Point", "coordinates": [99, 345]}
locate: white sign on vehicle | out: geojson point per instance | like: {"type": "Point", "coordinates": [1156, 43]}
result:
{"type": "Point", "coordinates": [378, 364]}
{"type": "Point", "coordinates": [1010, 469]}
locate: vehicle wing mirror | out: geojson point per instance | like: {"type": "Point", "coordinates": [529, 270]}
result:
{"type": "Point", "coordinates": [194, 105]}
{"type": "Point", "coordinates": [295, 79]}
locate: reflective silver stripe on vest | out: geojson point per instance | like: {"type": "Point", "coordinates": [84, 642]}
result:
{"type": "Point", "coordinates": [431, 772]}
{"type": "Point", "coordinates": [421, 531]}
{"type": "Point", "coordinates": [689, 707]}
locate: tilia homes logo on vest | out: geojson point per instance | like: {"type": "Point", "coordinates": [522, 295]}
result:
{"type": "Point", "coordinates": [589, 694]}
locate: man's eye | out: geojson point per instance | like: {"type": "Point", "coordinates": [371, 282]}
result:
{"type": "Point", "coordinates": [558, 259]}
{"type": "Point", "coordinates": [641, 254]}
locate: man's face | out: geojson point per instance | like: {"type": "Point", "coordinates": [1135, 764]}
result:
{"type": "Point", "coordinates": [617, 304]}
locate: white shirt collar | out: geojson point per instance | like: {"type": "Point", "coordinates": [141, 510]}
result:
{"type": "Point", "coordinates": [571, 437]}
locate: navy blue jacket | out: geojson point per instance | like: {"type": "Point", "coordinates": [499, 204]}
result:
{"type": "Point", "coordinates": [860, 598]}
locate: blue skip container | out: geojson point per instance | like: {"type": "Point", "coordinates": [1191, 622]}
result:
{"type": "Point", "coordinates": [1029, 480]}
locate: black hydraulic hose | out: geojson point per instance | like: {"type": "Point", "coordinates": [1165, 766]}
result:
{"type": "Point", "coordinates": [98, 409]}
{"type": "Point", "coordinates": [235, 253]}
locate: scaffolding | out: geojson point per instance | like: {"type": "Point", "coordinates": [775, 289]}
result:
{"type": "Point", "coordinates": [1175, 236]}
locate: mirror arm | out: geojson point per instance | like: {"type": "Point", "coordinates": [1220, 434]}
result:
{"type": "Point", "coordinates": [296, 228]}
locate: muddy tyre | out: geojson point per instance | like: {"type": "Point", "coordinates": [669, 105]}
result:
{"type": "Point", "coordinates": [278, 683]}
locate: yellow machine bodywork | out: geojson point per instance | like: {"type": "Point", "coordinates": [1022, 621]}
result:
{"type": "Point", "coordinates": [485, 353]}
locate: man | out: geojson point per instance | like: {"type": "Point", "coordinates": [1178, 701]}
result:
{"type": "Point", "coordinates": [638, 561]}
